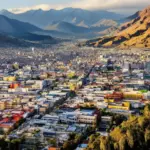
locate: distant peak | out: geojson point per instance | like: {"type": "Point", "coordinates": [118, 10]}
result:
{"type": "Point", "coordinates": [67, 9]}
{"type": "Point", "coordinates": [40, 9]}
{"type": "Point", "coordinates": [4, 11]}
{"type": "Point", "coordinates": [147, 8]}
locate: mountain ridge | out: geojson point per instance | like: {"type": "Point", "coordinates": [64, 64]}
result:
{"type": "Point", "coordinates": [13, 31]}
{"type": "Point", "coordinates": [44, 18]}
{"type": "Point", "coordinates": [135, 33]}
{"type": "Point", "coordinates": [14, 26]}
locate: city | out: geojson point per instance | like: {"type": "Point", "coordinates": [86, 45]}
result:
{"type": "Point", "coordinates": [75, 75]}
{"type": "Point", "coordinates": [47, 99]}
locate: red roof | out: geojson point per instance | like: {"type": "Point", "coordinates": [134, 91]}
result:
{"type": "Point", "coordinates": [5, 120]}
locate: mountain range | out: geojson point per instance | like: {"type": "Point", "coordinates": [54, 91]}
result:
{"type": "Point", "coordinates": [16, 32]}
{"type": "Point", "coordinates": [81, 31]}
{"type": "Point", "coordinates": [76, 16]}
{"type": "Point", "coordinates": [12, 26]}
{"type": "Point", "coordinates": [135, 33]}
{"type": "Point", "coordinates": [68, 22]}
{"type": "Point", "coordinates": [42, 26]}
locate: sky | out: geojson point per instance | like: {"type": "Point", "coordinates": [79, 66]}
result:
{"type": "Point", "coordinates": [119, 6]}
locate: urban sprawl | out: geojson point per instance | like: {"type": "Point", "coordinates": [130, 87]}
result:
{"type": "Point", "coordinates": [56, 98]}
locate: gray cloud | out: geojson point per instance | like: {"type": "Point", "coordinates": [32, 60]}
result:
{"type": "Point", "coordinates": [124, 6]}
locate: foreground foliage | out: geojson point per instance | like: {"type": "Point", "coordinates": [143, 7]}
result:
{"type": "Point", "coordinates": [129, 135]}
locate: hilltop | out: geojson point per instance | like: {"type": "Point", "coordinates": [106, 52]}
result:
{"type": "Point", "coordinates": [135, 33]}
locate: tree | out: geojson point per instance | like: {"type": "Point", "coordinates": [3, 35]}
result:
{"type": "Point", "coordinates": [72, 136]}
{"type": "Point", "coordinates": [3, 144]}
{"type": "Point", "coordinates": [130, 138]}
{"type": "Point", "coordinates": [15, 144]}
{"type": "Point", "coordinates": [147, 137]}
{"type": "Point", "coordinates": [133, 134]}
{"type": "Point", "coordinates": [139, 138]}
{"type": "Point", "coordinates": [143, 121]}
{"type": "Point", "coordinates": [94, 141]}
{"type": "Point", "coordinates": [95, 145]}
{"type": "Point", "coordinates": [123, 143]}
{"type": "Point", "coordinates": [15, 66]}
{"type": "Point", "coordinates": [105, 143]}
{"type": "Point", "coordinates": [78, 138]}
{"type": "Point", "coordinates": [52, 142]}
{"type": "Point", "coordinates": [118, 119]}
{"type": "Point", "coordinates": [72, 94]}
{"type": "Point", "coordinates": [91, 138]}
{"type": "Point", "coordinates": [147, 111]}
{"type": "Point", "coordinates": [116, 134]}
{"type": "Point", "coordinates": [66, 145]}
{"type": "Point", "coordinates": [116, 146]}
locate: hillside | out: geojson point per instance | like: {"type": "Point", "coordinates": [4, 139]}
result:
{"type": "Point", "coordinates": [103, 27]}
{"type": "Point", "coordinates": [108, 31]}
{"type": "Point", "coordinates": [128, 19]}
{"type": "Point", "coordinates": [27, 40]}
{"type": "Point", "coordinates": [105, 22]}
{"type": "Point", "coordinates": [135, 33]}
{"type": "Point", "coordinates": [133, 134]}
{"type": "Point", "coordinates": [133, 16]}
{"type": "Point", "coordinates": [36, 37]}
{"type": "Point", "coordinates": [11, 29]}
{"type": "Point", "coordinates": [7, 41]}
{"type": "Point", "coordinates": [67, 27]}
{"type": "Point", "coordinates": [13, 26]}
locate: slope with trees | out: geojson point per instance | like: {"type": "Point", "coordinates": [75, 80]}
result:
{"type": "Point", "coordinates": [133, 134]}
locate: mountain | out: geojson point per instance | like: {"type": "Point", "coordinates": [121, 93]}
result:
{"type": "Point", "coordinates": [109, 31]}
{"type": "Point", "coordinates": [68, 22]}
{"type": "Point", "coordinates": [79, 31]}
{"type": "Point", "coordinates": [135, 33]}
{"type": "Point", "coordinates": [19, 29]}
{"type": "Point", "coordinates": [74, 16]}
{"type": "Point", "coordinates": [12, 26]}
{"type": "Point", "coordinates": [133, 16]}
{"type": "Point", "coordinates": [13, 31]}
{"type": "Point", "coordinates": [36, 37]}
{"type": "Point", "coordinates": [27, 40]}
{"type": "Point", "coordinates": [105, 22]}
{"type": "Point", "coordinates": [82, 24]}
{"type": "Point", "coordinates": [127, 19]}
{"type": "Point", "coordinates": [5, 12]}
{"type": "Point", "coordinates": [8, 41]}
{"type": "Point", "coordinates": [67, 27]}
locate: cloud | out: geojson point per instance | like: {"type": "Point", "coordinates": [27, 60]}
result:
{"type": "Point", "coordinates": [24, 9]}
{"type": "Point", "coordinates": [113, 5]}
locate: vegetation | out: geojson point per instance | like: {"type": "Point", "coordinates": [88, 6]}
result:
{"type": "Point", "coordinates": [3, 144]}
{"type": "Point", "coordinates": [117, 119]}
{"type": "Point", "coordinates": [129, 135]}
{"type": "Point", "coordinates": [52, 142]}
{"type": "Point", "coordinates": [73, 141]}
{"type": "Point", "coordinates": [76, 139]}
{"type": "Point", "coordinates": [10, 144]}
{"type": "Point", "coordinates": [72, 94]}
